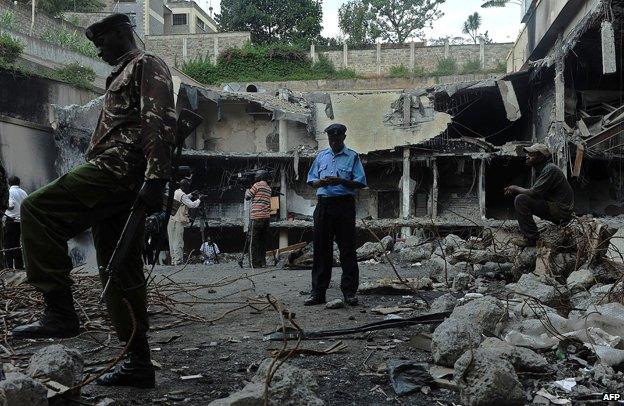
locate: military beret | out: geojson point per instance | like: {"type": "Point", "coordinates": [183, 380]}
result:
{"type": "Point", "coordinates": [336, 129]}
{"type": "Point", "coordinates": [113, 20]}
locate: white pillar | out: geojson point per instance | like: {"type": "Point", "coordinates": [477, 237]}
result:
{"type": "Point", "coordinates": [406, 192]}
{"type": "Point", "coordinates": [482, 52]}
{"type": "Point", "coordinates": [412, 64]}
{"type": "Point", "coordinates": [482, 189]}
{"type": "Point", "coordinates": [345, 55]}
{"type": "Point", "coordinates": [433, 196]}
{"type": "Point", "coordinates": [447, 49]}
{"type": "Point", "coordinates": [215, 50]}
{"type": "Point", "coordinates": [379, 58]}
{"type": "Point", "coordinates": [313, 52]}
{"type": "Point", "coordinates": [184, 50]}
{"type": "Point", "coordinates": [283, 209]}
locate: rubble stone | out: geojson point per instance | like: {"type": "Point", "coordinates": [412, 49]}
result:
{"type": "Point", "coordinates": [523, 359]}
{"type": "Point", "coordinates": [388, 242]}
{"type": "Point", "coordinates": [58, 363]}
{"type": "Point", "coordinates": [392, 286]}
{"type": "Point", "coordinates": [444, 303]}
{"type": "Point", "coordinates": [452, 243]}
{"type": "Point", "coordinates": [463, 329]}
{"type": "Point", "coordinates": [462, 282]}
{"type": "Point", "coordinates": [22, 390]}
{"type": "Point", "coordinates": [3, 399]}
{"type": "Point", "coordinates": [581, 279]}
{"type": "Point", "coordinates": [529, 284]}
{"type": "Point", "coordinates": [477, 256]}
{"type": "Point", "coordinates": [524, 262]}
{"type": "Point", "coordinates": [290, 386]}
{"type": "Point", "coordinates": [335, 304]}
{"type": "Point", "coordinates": [485, 379]}
{"type": "Point", "coordinates": [369, 250]}
{"type": "Point", "coordinates": [411, 241]}
{"type": "Point", "coordinates": [493, 268]}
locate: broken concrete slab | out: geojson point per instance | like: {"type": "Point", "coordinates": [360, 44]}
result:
{"type": "Point", "coordinates": [532, 286]}
{"type": "Point", "coordinates": [369, 250]}
{"type": "Point", "coordinates": [415, 254]}
{"type": "Point", "coordinates": [523, 359]}
{"type": "Point", "coordinates": [443, 304]}
{"type": "Point", "coordinates": [452, 243]}
{"type": "Point", "coordinates": [22, 390]}
{"type": "Point", "coordinates": [462, 281]}
{"type": "Point", "coordinates": [393, 286]}
{"type": "Point", "coordinates": [58, 363]}
{"type": "Point", "coordinates": [493, 268]}
{"type": "Point", "coordinates": [464, 328]}
{"type": "Point", "coordinates": [485, 379]}
{"type": "Point", "coordinates": [290, 386]}
{"type": "Point", "coordinates": [524, 262]}
{"type": "Point", "coordinates": [477, 256]}
{"type": "Point", "coordinates": [580, 280]}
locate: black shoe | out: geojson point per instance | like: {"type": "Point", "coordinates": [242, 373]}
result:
{"type": "Point", "coordinates": [136, 370]}
{"type": "Point", "coordinates": [59, 318]}
{"type": "Point", "coordinates": [314, 300]}
{"type": "Point", "coordinates": [351, 300]}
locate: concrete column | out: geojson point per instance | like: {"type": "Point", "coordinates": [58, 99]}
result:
{"type": "Point", "coordinates": [184, 50]}
{"type": "Point", "coordinates": [379, 58]}
{"type": "Point", "coordinates": [406, 192]}
{"type": "Point", "coordinates": [560, 138]}
{"type": "Point", "coordinates": [447, 49]}
{"type": "Point", "coordinates": [215, 50]}
{"type": "Point", "coordinates": [283, 210]}
{"type": "Point", "coordinates": [482, 52]}
{"type": "Point", "coordinates": [433, 196]}
{"type": "Point", "coordinates": [345, 55]}
{"type": "Point", "coordinates": [482, 188]}
{"type": "Point", "coordinates": [412, 64]}
{"type": "Point", "coordinates": [313, 52]}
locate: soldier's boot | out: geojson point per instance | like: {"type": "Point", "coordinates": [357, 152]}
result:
{"type": "Point", "coordinates": [136, 370]}
{"type": "Point", "coordinates": [59, 318]}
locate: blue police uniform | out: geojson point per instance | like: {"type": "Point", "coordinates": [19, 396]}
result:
{"type": "Point", "coordinates": [334, 217]}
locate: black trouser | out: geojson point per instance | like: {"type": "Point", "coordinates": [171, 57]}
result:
{"type": "Point", "coordinates": [259, 236]}
{"type": "Point", "coordinates": [12, 233]}
{"type": "Point", "coordinates": [527, 207]}
{"type": "Point", "coordinates": [334, 217]}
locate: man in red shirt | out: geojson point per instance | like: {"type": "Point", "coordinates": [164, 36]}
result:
{"type": "Point", "coordinates": [260, 214]}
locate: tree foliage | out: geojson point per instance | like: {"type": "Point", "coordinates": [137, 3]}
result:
{"type": "Point", "coordinates": [55, 8]}
{"type": "Point", "coordinates": [288, 21]}
{"type": "Point", "coordinates": [358, 21]}
{"type": "Point", "coordinates": [399, 20]}
{"type": "Point", "coordinates": [499, 3]}
{"type": "Point", "coordinates": [471, 26]}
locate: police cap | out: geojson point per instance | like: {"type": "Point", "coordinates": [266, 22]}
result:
{"type": "Point", "coordinates": [336, 129]}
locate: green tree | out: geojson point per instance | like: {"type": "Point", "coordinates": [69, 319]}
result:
{"type": "Point", "coordinates": [357, 20]}
{"type": "Point", "coordinates": [471, 27]}
{"type": "Point", "coordinates": [399, 20]}
{"type": "Point", "coordinates": [290, 21]}
{"type": "Point", "coordinates": [500, 3]}
{"type": "Point", "coordinates": [55, 8]}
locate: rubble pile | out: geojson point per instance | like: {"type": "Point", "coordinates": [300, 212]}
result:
{"type": "Point", "coordinates": [544, 336]}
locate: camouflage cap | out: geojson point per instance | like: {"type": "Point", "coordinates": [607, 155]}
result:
{"type": "Point", "coordinates": [541, 148]}
{"type": "Point", "coordinates": [111, 21]}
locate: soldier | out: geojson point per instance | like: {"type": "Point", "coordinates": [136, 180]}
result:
{"type": "Point", "coordinates": [131, 145]}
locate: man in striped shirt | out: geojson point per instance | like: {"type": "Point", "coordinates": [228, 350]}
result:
{"type": "Point", "coordinates": [260, 214]}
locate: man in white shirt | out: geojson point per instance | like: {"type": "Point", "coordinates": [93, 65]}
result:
{"type": "Point", "coordinates": [175, 228]}
{"type": "Point", "coordinates": [210, 252]}
{"type": "Point", "coordinates": [12, 229]}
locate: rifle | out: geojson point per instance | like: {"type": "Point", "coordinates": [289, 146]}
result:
{"type": "Point", "coordinates": [187, 123]}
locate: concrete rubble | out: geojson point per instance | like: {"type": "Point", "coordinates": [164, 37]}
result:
{"type": "Point", "coordinates": [58, 363]}
{"type": "Point", "coordinates": [290, 386]}
{"type": "Point", "coordinates": [22, 390]}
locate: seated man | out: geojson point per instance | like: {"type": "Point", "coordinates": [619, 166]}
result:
{"type": "Point", "coordinates": [551, 197]}
{"type": "Point", "coordinates": [210, 252]}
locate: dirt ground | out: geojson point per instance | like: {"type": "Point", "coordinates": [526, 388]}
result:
{"type": "Point", "coordinates": [227, 352]}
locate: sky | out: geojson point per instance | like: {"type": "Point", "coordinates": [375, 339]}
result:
{"type": "Point", "coordinates": [503, 24]}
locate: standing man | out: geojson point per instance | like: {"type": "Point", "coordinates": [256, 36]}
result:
{"type": "Point", "coordinates": [260, 215]}
{"type": "Point", "coordinates": [551, 197]}
{"type": "Point", "coordinates": [336, 174]}
{"type": "Point", "coordinates": [177, 222]}
{"type": "Point", "coordinates": [12, 230]}
{"type": "Point", "coordinates": [131, 146]}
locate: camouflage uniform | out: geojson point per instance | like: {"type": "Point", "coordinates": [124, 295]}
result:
{"type": "Point", "coordinates": [133, 141]}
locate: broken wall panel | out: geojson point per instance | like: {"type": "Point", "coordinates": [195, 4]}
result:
{"type": "Point", "coordinates": [458, 187]}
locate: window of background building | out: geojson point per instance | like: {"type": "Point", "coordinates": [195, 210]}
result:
{"type": "Point", "coordinates": [179, 19]}
{"type": "Point", "coordinates": [200, 24]}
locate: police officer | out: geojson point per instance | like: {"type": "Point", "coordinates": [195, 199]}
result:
{"type": "Point", "coordinates": [336, 174]}
{"type": "Point", "coordinates": [132, 145]}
